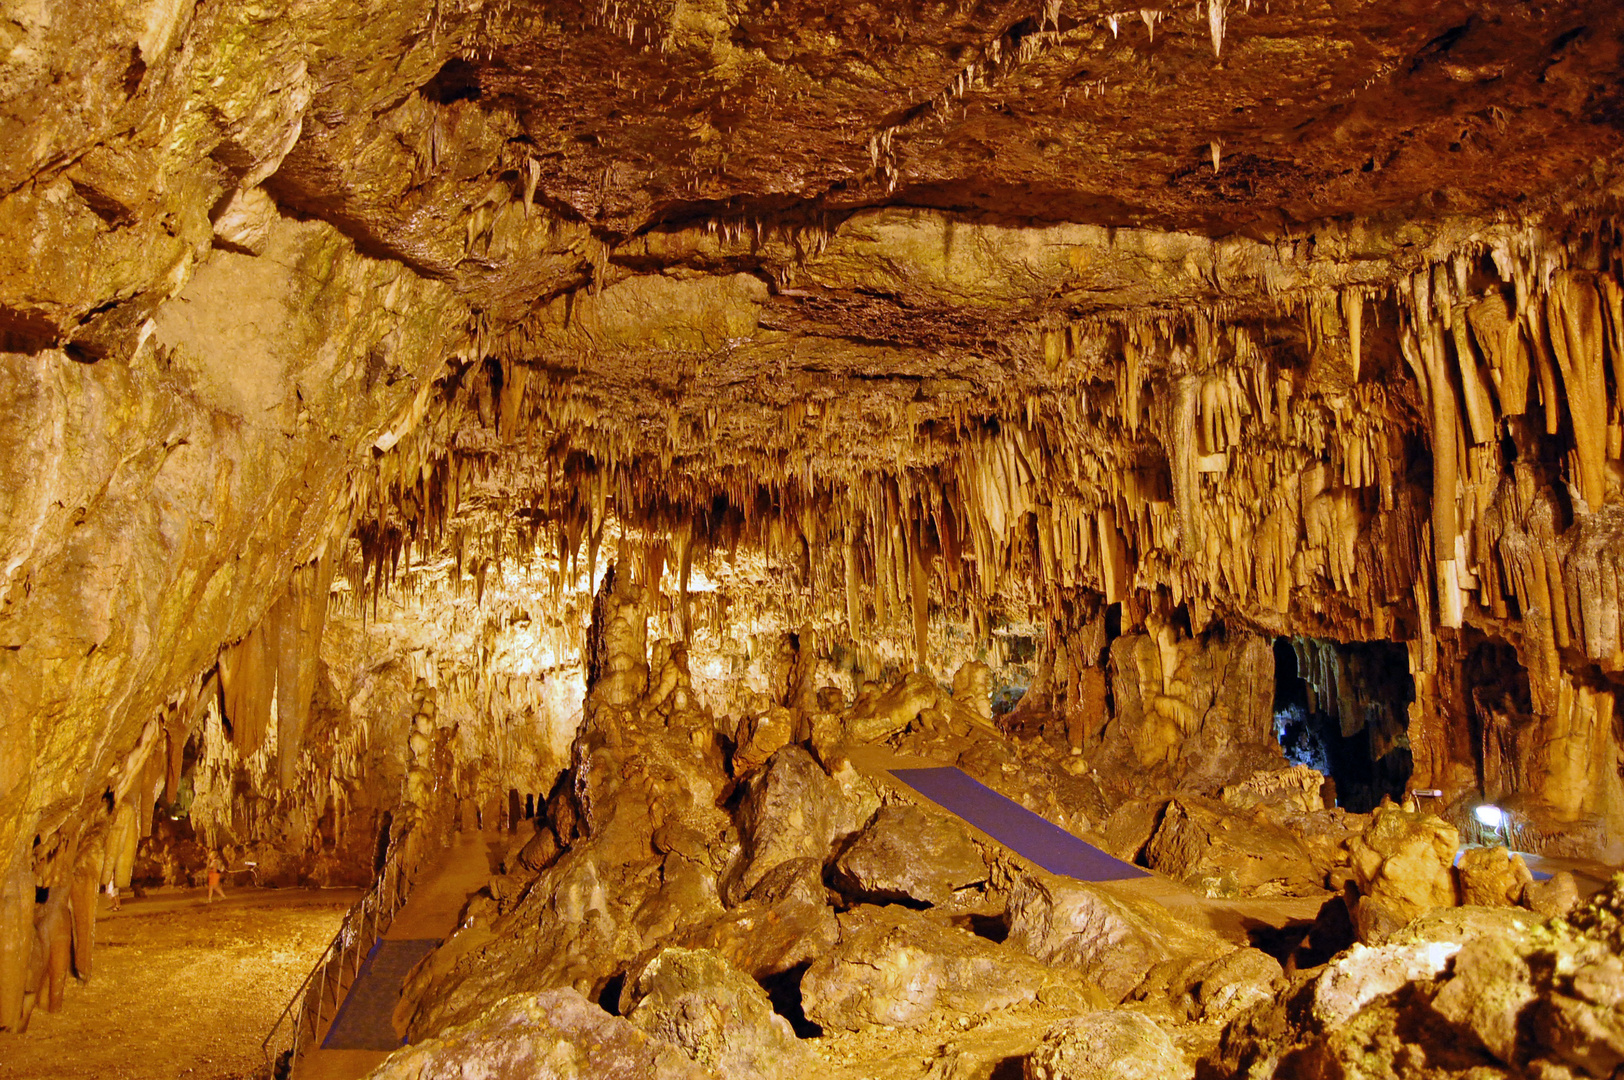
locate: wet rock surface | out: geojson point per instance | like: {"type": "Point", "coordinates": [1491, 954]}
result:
{"type": "Point", "coordinates": [896, 968]}
{"type": "Point", "coordinates": [1465, 992]}
{"type": "Point", "coordinates": [556, 1035]}
{"type": "Point", "coordinates": [1106, 1044]}
{"type": "Point", "coordinates": [1112, 940]}
{"type": "Point", "coordinates": [911, 853]}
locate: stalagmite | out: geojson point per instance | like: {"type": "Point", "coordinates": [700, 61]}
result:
{"type": "Point", "coordinates": [90, 854]}
{"type": "Point", "coordinates": [16, 940]}
{"type": "Point", "coordinates": [53, 948]}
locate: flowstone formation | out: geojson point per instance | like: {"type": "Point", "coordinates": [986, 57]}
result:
{"type": "Point", "coordinates": [636, 425]}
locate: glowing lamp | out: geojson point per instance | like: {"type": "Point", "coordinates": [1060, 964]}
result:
{"type": "Point", "coordinates": [1491, 816]}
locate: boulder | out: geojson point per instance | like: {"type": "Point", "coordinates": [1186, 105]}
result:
{"type": "Point", "coordinates": [1292, 790]}
{"type": "Point", "coordinates": [792, 810]}
{"type": "Point", "coordinates": [1489, 992]}
{"type": "Point", "coordinates": [1493, 877]}
{"type": "Point", "coordinates": [1326, 835]}
{"type": "Point", "coordinates": [759, 737]}
{"type": "Point", "coordinates": [1220, 852]}
{"type": "Point", "coordinates": [1459, 992]}
{"type": "Point", "coordinates": [1373, 921]}
{"type": "Point", "coordinates": [1113, 939]}
{"type": "Point", "coordinates": [1404, 860]}
{"type": "Point", "coordinates": [1554, 897]}
{"type": "Point", "coordinates": [719, 1016]}
{"type": "Point", "coordinates": [537, 854]}
{"type": "Point", "coordinates": [1364, 973]}
{"type": "Point", "coordinates": [553, 1035]}
{"type": "Point", "coordinates": [1130, 827]}
{"type": "Point", "coordinates": [908, 852]}
{"type": "Point", "coordinates": [784, 921]}
{"type": "Point", "coordinates": [1233, 983]}
{"type": "Point", "coordinates": [879, 716]}
{"type": "Point", "coordinates": [1109, 1044]}
{"type": "Point", "coordinates": [895, 967]}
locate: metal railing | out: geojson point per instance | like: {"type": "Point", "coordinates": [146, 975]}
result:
{"type": "Point", "coordinates": [319, 996]}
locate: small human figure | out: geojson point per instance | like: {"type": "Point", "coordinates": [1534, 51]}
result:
{"type": "Point", "coordinates": [112, 895]}
{"type": "Point", "coordinates": [216, 866]}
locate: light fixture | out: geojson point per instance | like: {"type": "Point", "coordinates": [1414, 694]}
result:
{"type": "Point", "coordinates": [1492, 816]}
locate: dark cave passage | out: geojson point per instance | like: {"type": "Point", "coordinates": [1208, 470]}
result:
{"type": "Point", "coordinates": [1345, 713]}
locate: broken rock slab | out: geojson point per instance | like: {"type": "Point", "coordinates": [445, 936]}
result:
{"type": "Point", "coordinates": [1233, 983]}
{"type": "Point", "coordinates": [895, 967]}
{"type": "Point", "coordinates": [784, 921]}
{"type": "Point", "coordinates": [1114, 940]}
{"type": "Point", "coordinates": [1554, 897]}
{"type": "Point", "coordinates": [553, 1035]}
{"type": "Point", "coordinates": [1130, 827]}
{"type": "Point", "coordinates": [717, 1014]}
{"type": "Point", "coordinates": [760, 736]}
{"type": "Point", "coordinates": [881, 715]}
{"type": "Point", "coordinates": [1405, 861]}
{"type": "Point", "coordinates": [1296, 789]}
{"type": "Point", "coordinates": [1108, 1044]}
{"type": "Point", "coordinates": [1493, 877]}
{"type": "Point", "coordinates": [1223, 852]}
{"type": "Point", "coordinates": [792, 810]}
{"type": "Point", "coordinates": [908, 852]}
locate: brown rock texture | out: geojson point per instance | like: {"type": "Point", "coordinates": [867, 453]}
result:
{"type": "Point", "coordinates": [1203, 425]}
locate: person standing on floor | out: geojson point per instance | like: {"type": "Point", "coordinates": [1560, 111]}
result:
{"type": "Point", "coordinates": [216, 867]}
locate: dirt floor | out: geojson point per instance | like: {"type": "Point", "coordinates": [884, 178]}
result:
{"type": "Point", "coordinates": [180, 988]}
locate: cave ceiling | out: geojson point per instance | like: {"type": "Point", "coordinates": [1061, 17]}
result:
{"type": "Point", "coordinates": [716, 207]}
{"type": "Point", "coordinates": [749, 209]}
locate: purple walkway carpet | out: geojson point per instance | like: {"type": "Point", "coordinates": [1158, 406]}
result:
{"type": "Point", "coordinates": [1016, 827]}
{"type": "Point", "coordinates": [366, 1019]}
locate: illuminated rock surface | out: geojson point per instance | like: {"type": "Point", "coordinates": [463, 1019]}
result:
{"type": "Point", "coordinates": [639, 424]}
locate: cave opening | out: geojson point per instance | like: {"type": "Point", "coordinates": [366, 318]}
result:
{"type": "Point", "coordinates": [784, 991]}
{"type": "Point", "coordinates": [1343, 709]}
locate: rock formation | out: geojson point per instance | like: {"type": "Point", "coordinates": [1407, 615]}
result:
{"type": "Point", "coordinates": [1203, 426]}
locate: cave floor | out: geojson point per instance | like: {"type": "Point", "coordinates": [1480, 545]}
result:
{"type": "Point", "coordinates": [180, 988]}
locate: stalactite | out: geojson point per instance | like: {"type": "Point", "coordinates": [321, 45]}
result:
{"type": "Point", "coordinates": [1576, 331]}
